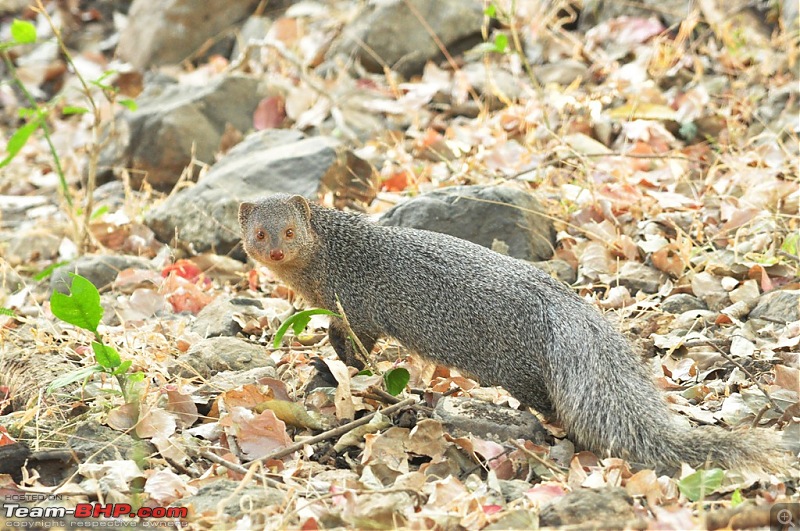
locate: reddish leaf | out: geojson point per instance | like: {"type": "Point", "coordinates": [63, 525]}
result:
{"type": "Point", "coordinates": [184, 269]}
{"type": "Point", "coordinates": [269, 114]}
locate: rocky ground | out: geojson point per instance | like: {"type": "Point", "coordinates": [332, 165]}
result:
{"type": "Point", "coordinates": [644, 153]}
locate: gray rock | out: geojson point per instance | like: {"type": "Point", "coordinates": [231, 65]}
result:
{"type": "Point", "coordinates": [100, 270]}
{"type": "Point", "coordinates": [638, 277]}
{"type": "Point", "coordinates": [561, 73]}
{"type": "Point", "coordinates": [481, 214]}
{"type": "Point", "coordinates": [255, 28]}
{"type": "Point", "coordinates": [216, 319]}
{"type": "Point", "coordinates": [31, 245]}
{"type": "Point", "coordinates": [227, 380]}
{"type": "Point", "coordinates": [97, 444]}
{"type": "Point", "coordinates": [513, 489]}
{"type": "Point", "coordinates": [559, 269]}
{"type": "Point", "coordinates": [205, 216]}
{"type": "Point", "coordinates": [171, 121]}
{"type": "Point", "coordinates": [466, 415]}
{"type": "Point", "coordinates": [790, 15]}
{"type": "Point", "coordinates": [209, 496]}
{"type": "Point", "coordinates": [493, 81]}
{"type": "Point", "coordinates": [216, 354]}
{"type": "Point", "coordinates": [779, 306]}
{"type": "Point", "coordinates": [170, 31]}
{"type": "Point", "coordinates": [670, 11]}
{"type": "Point", "coordinates": [10, 280]}
{"type": "Point", "coordinates": [585, 506]}
{"type": "Point", "coordinates": [393, 32]}
{"type": "Point", "coordinates": [682, 302]}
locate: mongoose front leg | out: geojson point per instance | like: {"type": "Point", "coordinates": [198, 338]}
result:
{"type": "Point", "coordinates": [343, 345]}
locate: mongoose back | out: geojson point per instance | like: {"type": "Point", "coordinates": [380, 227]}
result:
{"type": "Point", "coordinates": [495, 317]}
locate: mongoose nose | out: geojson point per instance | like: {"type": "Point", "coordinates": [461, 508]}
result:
{"type": "Point", "coordinates": [276, 254]}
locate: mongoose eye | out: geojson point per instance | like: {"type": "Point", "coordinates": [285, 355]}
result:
{"type": "Point", "coordinates": [289, 233]}
{"type": "Point", "coordinates": [260, 235]}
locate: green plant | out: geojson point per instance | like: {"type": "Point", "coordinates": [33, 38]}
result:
{"type": "Point", "coordinates": [35, 116]}
{"type": "Point", "coordinates": [701, 483]}
{"type": "Point", "coordinates": [394, 379]}
{"type": "Point", "coordinates": [82, 308]}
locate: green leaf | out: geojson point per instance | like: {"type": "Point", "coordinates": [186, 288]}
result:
{"type": "Point", "coordinates": [106, 356]}
{"type": "Point", "coordinates": [123, 368]}
{"type": "Point", "coordinates": [128, 104]}
{"type": "Point", "coordinates": [102, 86]}
{"type": "Point", "coordinates": [396, 380]}
{"type": "Point", "coordinates": [701, 483]}
{"type": "Point", "coordinates": [19, 139]}
{"type": "Point", "coordinates": [791, 244]}
{"type": "Point", "coordinates": [99, 212]}
{"type": "Point", "coordinates": [74, 376]}
{"type": "Point", "coordinates": [501, 43]}
{"type": "Point", "coordinates": [298, 322]}
{"type": "Point", "coordinates": [736, 498]}
{"type": "Point", "coordinates": [81, 308]}
{"type": "Point", "coordinates": [135, 377]}
{"type": "Point", "coordinates": [72, 109]}
{"type": "Point", "coordinates": [490, 11]}
{"type": "Point", "coordinates": [23, 32]}
{"type": "Point", "coordinates": [47, 271]}
{"type": "Point", "coordinates": [7, 311]}
{"type": "Point", "coordinates": [364, 372]}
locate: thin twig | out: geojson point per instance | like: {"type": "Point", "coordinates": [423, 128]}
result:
{"type": "Point", "coordinates": [748, 373]}
{"type": "Point", "coordinates": [551, 467]}
{"type": "Point", "coordinates": [214, 458]}
{"type": "Point", "coordinates": [335, 432]}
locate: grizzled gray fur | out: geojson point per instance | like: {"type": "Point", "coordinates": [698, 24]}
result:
{"type": "Point", "coordinates": [497, 318]}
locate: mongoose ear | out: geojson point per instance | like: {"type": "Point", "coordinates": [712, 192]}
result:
{"type": "Point", "coordinates": [302, 204]}
{"type": "Point", "coordinates": [245, 209]}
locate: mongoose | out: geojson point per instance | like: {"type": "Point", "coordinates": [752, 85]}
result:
{"type": "Point", "coordinates": [495, 317]}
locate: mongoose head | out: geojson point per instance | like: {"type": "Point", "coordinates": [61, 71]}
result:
{"type": "Point", "coordinates": [276, 229]}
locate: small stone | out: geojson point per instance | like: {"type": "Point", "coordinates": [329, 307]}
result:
{"type": "Point", "coordinates": [469, 416]}
{"type": "Point", "coordinates": [100, 270]}
{"type": "Point", "coordinates": [99, 443]}
{"type": "Point", "coordinates": [709, 288]}
{"type": "Point", "coordinates": [561, 73]}
{"type": "Point", "coordinates": [638, 277]}
{"type": "Point", "coordinates": [216, 319]}
{"type": "Point", "coordinates": [230, 493]}
{"type": "Point", "coordinates": [682, 302]}
{"type": "Point", "coordinates": [558, 269]}
{"type": "Point", "coordinates": [779, 306]}
{"type": "Point", "coordinates": [32, 245]}
{"type": "Point", "coordinates": [581, 507]}
{"type": "Point", "coordinates": [216, 354]}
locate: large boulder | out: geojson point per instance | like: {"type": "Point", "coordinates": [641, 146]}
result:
{"type": "Point", "coordinates": [499, 217]}
{"type": "Point", "coordinates": [173, 122]}
{"type": "Point", "coordinates": [206, 215]}
{"type": "Point", "coordinates": [171, 31]}
{"type": "Point", "coordinates": [398, 33]}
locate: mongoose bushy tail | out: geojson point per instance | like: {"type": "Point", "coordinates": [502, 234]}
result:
{"type": "Point", "coordinates": [495, 317]}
